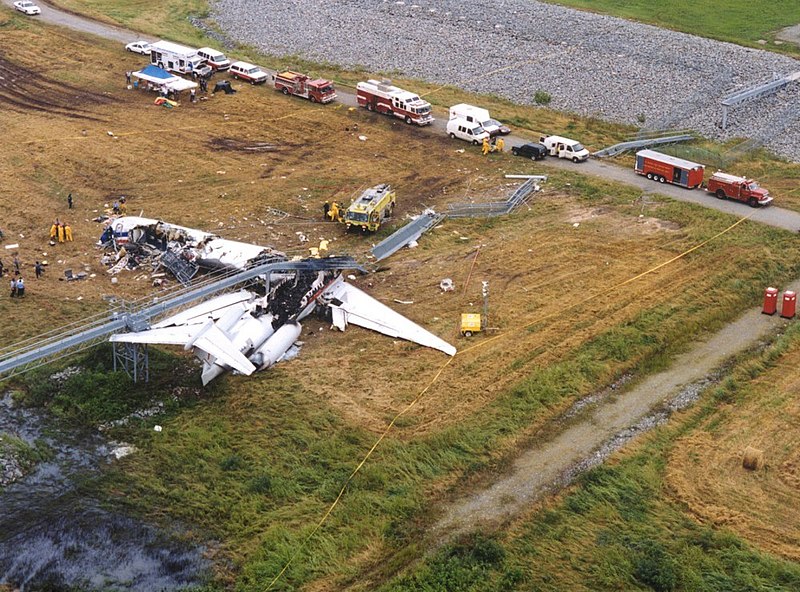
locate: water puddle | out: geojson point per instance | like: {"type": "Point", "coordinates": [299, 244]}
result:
{"type": "Point", "coordinates": [53, 536]}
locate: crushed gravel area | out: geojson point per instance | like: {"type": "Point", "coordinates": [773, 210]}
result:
{"type": "Point", "coordinates": [590, 64]}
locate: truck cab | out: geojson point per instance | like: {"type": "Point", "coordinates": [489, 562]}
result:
{"type": "Point", "coordinates": [480, 116]}
{"type": "Point", "coordinates": [726, 186]}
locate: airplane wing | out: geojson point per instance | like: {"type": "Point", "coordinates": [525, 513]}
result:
{"type": "Point", "coordinates": [350, 305]}
{"type": "Point", "coordinates": [166, 335]}
{"type": "Point", "coordinates": [213, 308]}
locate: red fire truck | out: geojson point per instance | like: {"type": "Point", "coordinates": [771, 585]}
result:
{"type": "Point", "coordinates": [726, 186]}
{"type": "Point", "coordinates": [382, 97]}
{"type": "Point", "coordinates": [669, 169]}
{"type": "Point", "coordinates": [294, 83]}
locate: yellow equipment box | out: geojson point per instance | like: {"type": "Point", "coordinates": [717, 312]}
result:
{"type": "Point", "coordinates": [470, 323]}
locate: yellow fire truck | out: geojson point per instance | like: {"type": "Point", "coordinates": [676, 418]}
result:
{"type": "Point", "coordinates": [371, 208]}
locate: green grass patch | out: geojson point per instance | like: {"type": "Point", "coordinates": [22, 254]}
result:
{"type": "Point", "coordinates": [27, 455]}
{"type": "Point", "coordinates": [738, 21]}
{"type": "Point", "coordinates": [90, 392]}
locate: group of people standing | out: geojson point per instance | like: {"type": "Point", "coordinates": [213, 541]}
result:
{"type": "Point", "coordinates": [17, 282]}
{"type": "Point", "coordinates": [496, 145]}
{"type": "Point", "coordinates": [60, 231]}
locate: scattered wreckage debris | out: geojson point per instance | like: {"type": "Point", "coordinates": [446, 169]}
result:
{"type": "Point", "coordinates": [132, 241]}
{"type": "Point", "coordinates": [254, 328]}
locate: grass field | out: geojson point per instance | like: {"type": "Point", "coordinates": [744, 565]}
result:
{"type": "Point", "coordinates": [675, 512]}
{"type": "Point", "coordinates": [738, 21]}
{"type": "Point", "coordinates": [251, 465]}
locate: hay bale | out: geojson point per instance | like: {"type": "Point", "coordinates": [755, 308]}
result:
{"type": "Point", "coordinates": [753, 458]}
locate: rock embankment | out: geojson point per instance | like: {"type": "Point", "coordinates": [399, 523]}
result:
{"type": "Point", "coordinates": [590, 64]}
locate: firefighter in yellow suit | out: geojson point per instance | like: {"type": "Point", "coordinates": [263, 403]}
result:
{"type": "Point", "coordinates": [68, 232]}
{"type": "Point", "coordinates": [487, 148]}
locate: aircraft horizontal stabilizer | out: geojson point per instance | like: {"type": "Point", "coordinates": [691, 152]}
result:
{"type": "Point", "coordinates": [209, 338]}
{"type": "Point", "coordinates": [350, 305]}
{"type": "Point", "coordinates": [216, 343]}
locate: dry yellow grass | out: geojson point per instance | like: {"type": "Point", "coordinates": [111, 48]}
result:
{"type": "Point", "coordinates": [705, 470]}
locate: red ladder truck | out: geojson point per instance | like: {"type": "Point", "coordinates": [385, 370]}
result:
{"type": "Point", "coordinates": [384, 98]}
{"type": "Point", "coordinates": [299, 85]}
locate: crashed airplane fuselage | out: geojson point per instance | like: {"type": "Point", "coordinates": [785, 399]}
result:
{"type": "Point", "coordinates": [253, 329]}
{"type": "Point", "coordinates": [191, 247]}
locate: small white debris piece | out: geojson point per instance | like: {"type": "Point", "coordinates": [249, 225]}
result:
{"type": "Point", "coordinates": [351, 277]}
{"type": "Point", "coordinates": [412, 244]}
{"type": "Point", "coordinates": [447, 285]}
{"type": "Point", "coordinates": [362, 138]}
{"type": "Point", "coordinates": [114, 280]}
{"type": "Point", "coordinates": [13, 246]}
{"type": "Point", "coordinates": [157, 428]}
{"type": "Point", "coordinates": [576, 224]}
{"type": "Point", "coordinates": [460, 151]}
{"type": "Point", "coordinates": [110, 133]}
{"type": "Point", "coordinates": [122, 450]}
{"type": "Point", "coordinates": [404, 301]}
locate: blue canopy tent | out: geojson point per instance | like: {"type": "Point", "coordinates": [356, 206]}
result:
{"type": "Point", "coordinates": [160, 77]}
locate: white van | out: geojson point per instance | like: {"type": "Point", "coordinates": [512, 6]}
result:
{"type": "Point", "coordinates": [215, 59]}
{"type": "Point", "coordinates": [565, 148]}
{"type": "Point", "coordinates": [466, 130]}
{"type": "Point", "coordinates": [478, 115]}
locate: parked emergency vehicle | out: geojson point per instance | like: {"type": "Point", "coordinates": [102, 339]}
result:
{"type": "Point", "coordinates": [382, 97]}
{"type": "Point", "coordinates": [741, 189]}
{"type": "Point", "coordinates": [214, 58]}
{"type": "Point", "coordinates": [669, 169]}
{"type": "Point", "coordinates": [371, 208]}
{"type": "Point", "coordinates": [565, 148]}
{"type": "Point", "coordinates": [175, 58]}
{"type": "Point", "coordinates": [294, 83]}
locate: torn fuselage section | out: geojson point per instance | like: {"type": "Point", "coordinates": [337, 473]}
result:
{"type": "Point", "coordinates": [182, 251]}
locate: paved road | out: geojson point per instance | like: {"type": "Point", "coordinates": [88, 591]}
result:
{"type": "Point", "coordinates": [773, 216]}
{"type": "Point", "coordinates": [71, 21]}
